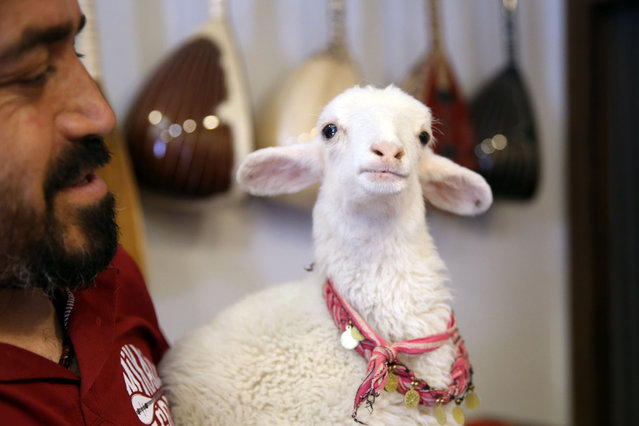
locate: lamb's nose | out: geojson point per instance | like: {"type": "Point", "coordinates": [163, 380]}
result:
{"type": "Point", "coordinates": [387, 150]}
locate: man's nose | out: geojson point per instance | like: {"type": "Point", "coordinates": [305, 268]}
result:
{"type": "Point", "coordinates": [84, 109]}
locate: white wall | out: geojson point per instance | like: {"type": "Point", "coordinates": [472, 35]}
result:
{"type": "Point", "coordinates": [509, 267]}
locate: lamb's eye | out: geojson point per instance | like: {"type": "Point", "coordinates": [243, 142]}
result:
{"type": "Point", "coordinates": [329, 130]}
{"type": "Point", "coordinates": [424, 138]}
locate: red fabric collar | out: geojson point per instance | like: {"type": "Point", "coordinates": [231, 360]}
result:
{"type": "Point", "coordinates": [383, 363]}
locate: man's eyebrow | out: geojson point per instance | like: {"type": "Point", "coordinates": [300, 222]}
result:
{"type": "Point", "coordinates": [34, 37]}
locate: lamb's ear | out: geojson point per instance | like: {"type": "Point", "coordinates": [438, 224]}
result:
{"type": "Point", "coordinates": [282, 169]}
{"type": "Point", "coordinates": [452, 187]}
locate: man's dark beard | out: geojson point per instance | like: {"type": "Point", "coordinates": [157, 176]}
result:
{"type": "Point", "coordinates": [33, 254]}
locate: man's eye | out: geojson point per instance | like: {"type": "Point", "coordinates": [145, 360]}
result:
{"type": "Point", "coordinates": [39, 79]}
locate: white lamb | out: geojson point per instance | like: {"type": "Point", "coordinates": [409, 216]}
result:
{"type": "Point", "coordinates": [275, 358]}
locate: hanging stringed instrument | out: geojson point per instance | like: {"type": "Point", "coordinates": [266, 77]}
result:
{"type": "Point", "coordinates": [433, 82]}
{"type": "Point", "coordinates": [290, 112]}
{"type": "Point", "coordinates": [191, 123]}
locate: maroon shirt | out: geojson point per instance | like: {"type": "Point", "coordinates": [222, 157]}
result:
{"type": "Point", "coordinates": [117, 344]}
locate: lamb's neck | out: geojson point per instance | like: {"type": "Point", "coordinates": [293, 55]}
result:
{"type": "Point", "coordinates": [388, 271]}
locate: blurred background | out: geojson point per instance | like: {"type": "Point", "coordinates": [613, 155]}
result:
{"type": "Point", "coordinates": [509, 268]}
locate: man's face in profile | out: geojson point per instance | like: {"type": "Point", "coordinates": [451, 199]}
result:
{"type": "Point", "coordinates": [56, 216]}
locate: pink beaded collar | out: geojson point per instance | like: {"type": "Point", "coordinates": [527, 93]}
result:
{"type": "Point", "coordinates": [385, 371]}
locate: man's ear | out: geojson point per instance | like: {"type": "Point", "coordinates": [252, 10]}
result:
{"type": "Point", "coordinates": [282, 169]}
{"type": "Point", "coordinates": [452, 187]}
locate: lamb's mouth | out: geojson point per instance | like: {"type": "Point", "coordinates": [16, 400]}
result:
{"type": "Point", "coordinates": [383, 173]}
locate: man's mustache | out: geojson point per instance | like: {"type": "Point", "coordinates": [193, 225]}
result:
{"type": "Point", "coordinates": [86, 155]}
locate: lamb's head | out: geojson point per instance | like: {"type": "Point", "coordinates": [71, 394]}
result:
{"type": "Point", "coordinates": [373, 149]}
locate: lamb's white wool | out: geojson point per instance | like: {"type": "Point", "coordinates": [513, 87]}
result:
{"type": "Point", "coordinates": [275, 357]}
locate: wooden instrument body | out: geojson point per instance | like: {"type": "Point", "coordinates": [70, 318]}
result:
{"type": "Point", "coordinates": [191, 124]}
{"type": "Point", "coordinates": [290, 112]}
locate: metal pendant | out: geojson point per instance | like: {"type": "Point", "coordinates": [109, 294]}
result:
{"type": "Point", "coordinates": [347, 340]}
{"type": "Point", "coordinates": [391, 383]}
{"type": "Point", "coordinates": [458, 415]}
{"type": "Point", "coordinates": [411, 399]}
{"type": "Point", "coordinates": [472, 401]}
{"type": "Point", "coordinates": [440, 415]}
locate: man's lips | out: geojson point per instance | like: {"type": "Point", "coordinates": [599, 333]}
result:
{"type": "Point", "coordinates": [87, 188]}
{"type": "Point", "coordinates": [84, 178]}
{"type": "Point", "coordinates": [73, 172]}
